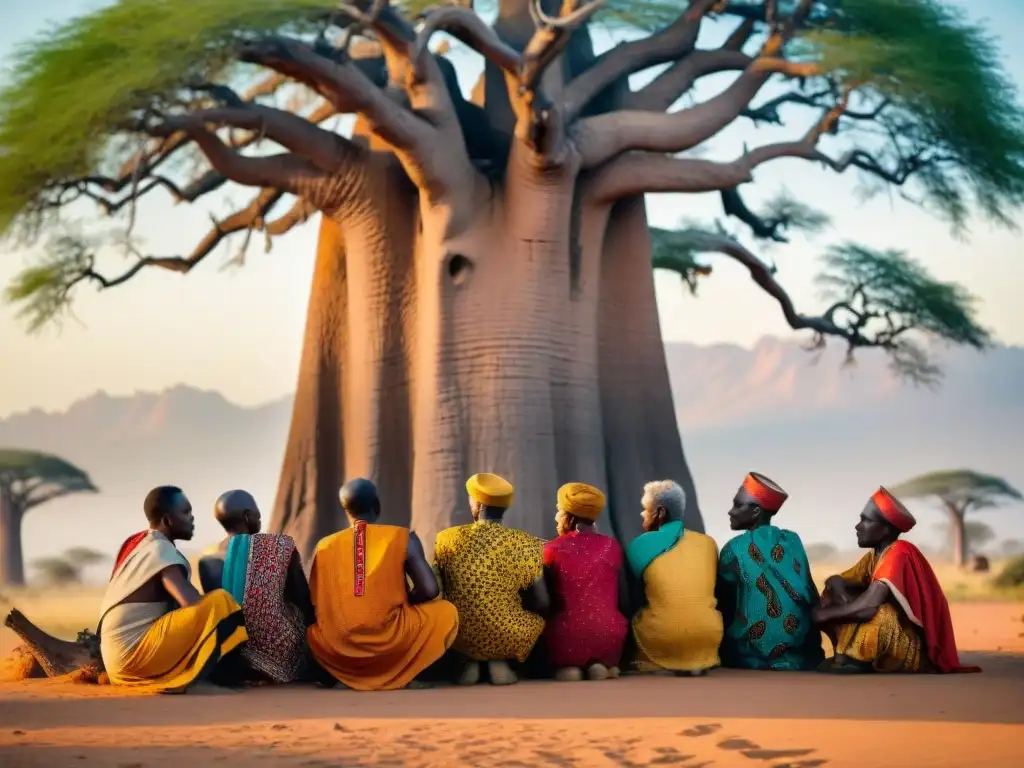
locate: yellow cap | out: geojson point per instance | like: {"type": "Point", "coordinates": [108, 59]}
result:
{"type": "Point", "coordinates": [492, 490]}
{"type": "Point", "coordinates": [581, 500]}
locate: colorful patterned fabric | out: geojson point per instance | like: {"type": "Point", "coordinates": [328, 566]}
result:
{"type": "Point", "coordinates": [277, 630]}
{"type": "Point", "coordinates": [367, 635]}
{"type": "Point", "coordinates": [889, 641]}
{"type": "Point", "coordinates": [766, 594]}
{"type": "Point", "coordinates": [586, 626]}
{"type": "Point", "coordinates": [679, 628]}
{"type": "Point", "coordinates": [923, 611]}
{"type": "Point", "coordinates": [484, 566]}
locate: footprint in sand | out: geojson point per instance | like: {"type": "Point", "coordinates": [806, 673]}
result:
{"type": "Point", "coordinates": [701, 730]}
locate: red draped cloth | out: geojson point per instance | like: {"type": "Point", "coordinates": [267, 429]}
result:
{"type": "Point", "coordinates": [126, 549]}
{"type": "Point", "coordinates": [915, 587]}
{"type": "Point", "coordinates": [587, 626]}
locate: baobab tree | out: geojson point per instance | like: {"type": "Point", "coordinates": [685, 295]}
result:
{"type": "Point", "coordinates": [29, 479]}
{"type": "Point", "coordinates": [482, 298]}
{"type": "Point", "coordinates": [959, 491]}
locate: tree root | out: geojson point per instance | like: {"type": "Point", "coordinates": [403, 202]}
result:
{"type": "Point", "coordinates": [80, 660]}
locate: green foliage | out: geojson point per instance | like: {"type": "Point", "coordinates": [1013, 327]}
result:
{"type": "Point", "coordinates": [33, 478]}
{"type": "Point", "coordinates": [1012, 574]}
{"type": "Point", "coordinates": [901, 293]}
{"type": "Point", "coordinates": [962, 488]}
{"type": "Point", "coordinates": [84, 556]}
{"type": "Point", "coordinates": [74, 86]}
{"type": "Point", "coordinates": [672, 250]}
{"type": "Point", "coordinates": [43, 290]}
{"type": "Point", "coordinates": [954, 103]}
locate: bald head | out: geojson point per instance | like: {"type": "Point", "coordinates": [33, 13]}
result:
{"type": "Point", "coordinates": [237, 512]}
{"type": "Point", "coordinates": [358, 498]}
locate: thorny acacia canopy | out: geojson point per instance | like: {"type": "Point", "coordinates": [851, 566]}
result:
{"type": "Point", "coordinates": [905, 92]}
{"type": "Point", "coordinates": [31, 478]}
{"type": "Point", "coordinates": [962, 489]}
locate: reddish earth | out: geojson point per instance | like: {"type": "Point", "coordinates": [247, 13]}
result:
{"type": "Point", "coordinates": [729, 718]}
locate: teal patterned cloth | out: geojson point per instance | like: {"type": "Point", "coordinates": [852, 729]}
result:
{"type": "Point", "coordinates": [765, 594]}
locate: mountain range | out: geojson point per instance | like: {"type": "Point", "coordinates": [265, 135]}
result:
{"type": "Point", "coordinates": [829, 433]}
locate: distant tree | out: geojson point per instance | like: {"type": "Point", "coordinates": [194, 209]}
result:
{"type": "Point", "coordinates": [822, 552]}
{"type": "Point", "coordinates": [28, 479]}
{"type": "Point", "coordinates": [959, 491]}
{"type": "Point", "coordinates": [67, 568]}
{"type": "Point", "coordinates": [976, 533]}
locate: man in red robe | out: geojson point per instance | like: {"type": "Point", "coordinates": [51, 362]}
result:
{"type": "Point", "coordinates": [888, 613]}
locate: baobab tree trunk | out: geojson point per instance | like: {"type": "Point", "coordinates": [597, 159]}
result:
{"type": "Point", "coordinates": [428, 358]}
{"type": "Point", "coordinates": [958, 532]}
{"type": "Point", "coordinates": [12, 565]}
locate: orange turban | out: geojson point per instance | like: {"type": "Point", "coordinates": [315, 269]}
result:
{"type": "Point", "coordinates": [764, 492]}
{"type": "Point", "coordinates": [581, 500]}
{"type": "Point", "coordinates": [893, 511]}
{"type": "Point", "coordinates": [492, 490]}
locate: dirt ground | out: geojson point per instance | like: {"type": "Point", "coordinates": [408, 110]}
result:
{"type": "Point", "coordinates": [774, 720]}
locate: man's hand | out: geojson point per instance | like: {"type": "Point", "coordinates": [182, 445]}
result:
{"type": "Point", "coordinates": [837, 592]}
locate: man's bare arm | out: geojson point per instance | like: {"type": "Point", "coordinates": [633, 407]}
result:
{"type": "Point", "coordinates": [424, 583]}
{"type": "Point", "coordinates": [179, 587]}
{"type": "Point", "coordinates": [862, 608]}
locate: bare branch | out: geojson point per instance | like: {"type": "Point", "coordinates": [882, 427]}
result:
{"type": "Point", "coordinates": [345, 86]}
{"type": "Point", "coordinates": [325, 149]}
{"type": "Point", "coordinates": [283, 171]}
{"type": "Point", "coordinates": [465, 25]}
{"type": "Point", "coordinates": [602, 137]}
{"type": "Point", "coordinates": [671, 43]}
{"type": "Point", "coordinates": [668, 87]}
{"type": "Point", "coordinates": [296, 215]}
{"type": "Point", "coordinates": [700, 241]}
{"type": "Point", "coordinates": [551, 36]}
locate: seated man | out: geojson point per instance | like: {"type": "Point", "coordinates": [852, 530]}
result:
{"type": "Point", "coordinates": [765, 590]}
{"type": "Point", "coordinates": [156, 631]}
{"type": "Point", "coordinates": [495, 577]}
{"type": "Point", "coordinates": [586, 628]}
{"type": "Point", "coordinates": [887, 613]}
{"type": "Point", "coordinates": [677, 629]}
{"type": "Point", "coordinates": [373, 631]}
{"type": "Point", "coordinates": [263, 572]}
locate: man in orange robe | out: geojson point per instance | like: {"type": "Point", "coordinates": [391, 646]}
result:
{"type": "Point", "coordinates": [373, 631]}
{"type": "Point", "coordinates": [888, 613]}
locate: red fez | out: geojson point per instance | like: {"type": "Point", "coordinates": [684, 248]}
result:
{"type": "Point", "coordinates": [767, 495]}
{"type": "Point", "coordinates": [893, 511]}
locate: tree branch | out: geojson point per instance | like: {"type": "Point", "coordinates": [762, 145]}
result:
{"type": "Point", "coordinates": [286, 172]}
{"type": "Point", "coordinates": [668, 87]}
{"type": "Point", "coordinates": [466, 26]}
{"type": "Point", "coordinates": [671, 43]}
{"type": "Point", "coordinates": [344, 86]}
{"type": "Point", "coordinates": [602, 137]}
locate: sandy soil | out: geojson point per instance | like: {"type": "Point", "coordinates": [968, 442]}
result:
{"type": "Point", "coordinates": [730, 718]}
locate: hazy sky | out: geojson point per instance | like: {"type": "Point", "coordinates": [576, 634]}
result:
{"type": "Point", "coordinates": [239, 330]}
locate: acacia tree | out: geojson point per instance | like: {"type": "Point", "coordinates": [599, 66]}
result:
{"type": "Point", "coordinates": [959, 491]}
{"type": "Point", "coordinates": [482, 297]}
{"type": "Point", "coordinates": [27, 480]}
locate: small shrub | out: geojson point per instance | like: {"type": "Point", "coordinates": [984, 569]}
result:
{"type": "Point", "coordinates": [1012, 574]}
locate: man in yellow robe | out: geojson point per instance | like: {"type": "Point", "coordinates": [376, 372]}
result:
{"type": "Point", "coordinates": [495, 577]}
{"type": "Point", "coordinates": [373, 631]}
{"type": "Point", "coordinates": [156, 631]}
{"type": "Point", "coordinates": [678, 629]}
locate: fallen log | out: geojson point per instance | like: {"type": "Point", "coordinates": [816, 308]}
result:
{"type": "Point", "coordinates": [58, 657]}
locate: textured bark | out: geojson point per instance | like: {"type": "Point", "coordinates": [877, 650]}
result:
{"type": "Point", "coordinates": [641, 435]}
{"type": "Point", "coordinates": [522, 341]}
{"type": "Point", "coordinates": [56, 657]}
{"type": "Point", "coordinates": [12, 565]}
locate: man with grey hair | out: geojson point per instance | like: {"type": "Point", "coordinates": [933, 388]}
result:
{"type": "Point", "coordinates": [678, 629]}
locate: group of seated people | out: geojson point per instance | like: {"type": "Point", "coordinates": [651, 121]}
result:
{"type": "Point", "coordinates": [376, 614]}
